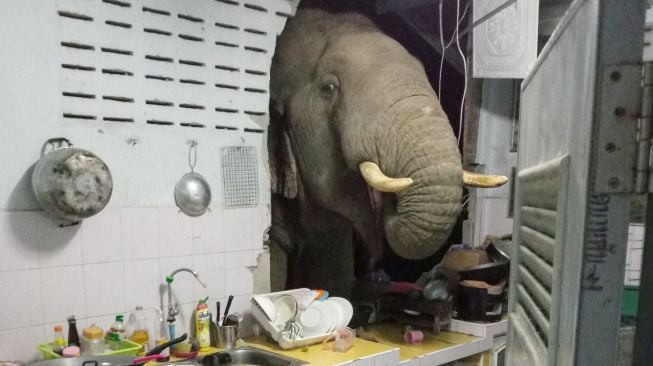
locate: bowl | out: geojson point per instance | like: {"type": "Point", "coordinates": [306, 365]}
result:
{"type": "Point", "coordinates": [287, 308]}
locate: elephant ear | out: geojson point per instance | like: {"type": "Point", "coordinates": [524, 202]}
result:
{"type": "Point", "coordinates": [283, 167]}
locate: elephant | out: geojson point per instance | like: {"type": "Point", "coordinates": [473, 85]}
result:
{"type": "Point", "coordinates": [349, 109]}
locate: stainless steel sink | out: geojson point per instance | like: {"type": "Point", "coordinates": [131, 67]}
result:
{"type": "Point", "coordinates": [254, 356]}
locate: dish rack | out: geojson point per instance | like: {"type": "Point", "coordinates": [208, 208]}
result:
{"type": "Point", "coordinates": [284, 338]}
{"type": "Point", "coordinates": [127, 348]}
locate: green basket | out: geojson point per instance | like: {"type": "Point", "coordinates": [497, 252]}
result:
{"type": "Point", "coordinates": [127, 348]}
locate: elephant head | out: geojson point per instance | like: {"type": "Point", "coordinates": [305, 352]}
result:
{"type": "Point", "coordinates": [353, 108]}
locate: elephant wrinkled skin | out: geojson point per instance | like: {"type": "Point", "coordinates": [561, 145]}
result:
{"type": "Point", "coordinates": [343, 93]}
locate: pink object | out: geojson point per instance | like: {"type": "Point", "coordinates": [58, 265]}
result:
{"type": "Point", "coordinates": [72, 351]}
{"type": "Point", "coordinates": [413, 336]}
{"type": "Point", "coordinates": [148, 358]}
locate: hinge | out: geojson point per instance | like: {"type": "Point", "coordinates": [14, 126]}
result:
{"type": "Point", "coordinates": [619, 111]}
{"type": "Point", "coordinates": [643, 181]}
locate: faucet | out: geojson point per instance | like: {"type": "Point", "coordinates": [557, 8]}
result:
{"type": "Point", "coordinates": [172, 307]}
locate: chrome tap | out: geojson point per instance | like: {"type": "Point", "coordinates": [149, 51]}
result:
{"type": "Point", "coordinates": [172, 307]}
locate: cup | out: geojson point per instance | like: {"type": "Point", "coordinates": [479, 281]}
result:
{"type": "Point", "coordinates": [227, 336]}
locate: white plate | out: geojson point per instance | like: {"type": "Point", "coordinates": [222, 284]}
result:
{"type": "Point", "coordinates": [319, 318]}
{"type": "Point", "coordinates": [347, 311]}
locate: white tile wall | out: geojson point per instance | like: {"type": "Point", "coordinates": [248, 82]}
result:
{"type": "Point", "coordinates": [115, 261]}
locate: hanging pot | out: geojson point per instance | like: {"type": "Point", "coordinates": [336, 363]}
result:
{"type": "Point", "coordinates": [192, 192]}
{"type": "Point", "coordinates": [71, 184]}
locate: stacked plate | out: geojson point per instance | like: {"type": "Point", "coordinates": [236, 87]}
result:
{"type": "Point", "coordinates": [313, 318]}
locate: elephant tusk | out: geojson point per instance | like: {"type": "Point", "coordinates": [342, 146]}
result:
{"type": "Point", "coordinates": [483, 180]}
{"type": "Point", "coordinates": [381, 182]}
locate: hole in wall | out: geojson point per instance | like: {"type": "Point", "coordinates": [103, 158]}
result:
{"type": "Point", "coordinates": [192, 124]}
{"type": "Point", "coordinates": [155, 11]}
{"type": "Point", "coordinates": [255, 113]}
{"type": "Point", "coordinates": [192, 81]}
{"type": "Point", "coordinates": [255, 7]}
{"type": "Point", "coordinates": [78, 67]}
{"type": "Point", "coordinates": [191, 63]}
{"type": "Point", "coordinates": [226, 68]}
{"type": "Point", "coordinates": [79, 116]}
{"type": "Point", "coordinates": [118, 24]}
{"type": "Point", "coordinates": [161, 103]}
{"type": "Point", "coordinates": [118, 98]}
{"type": "Point", "coordinates": [122, 4]}
{"type": "Point", "coordinates": [118, 119]}
{"type": "Point", "coordinates": [256, 72]}
{"type": "Point", "coordinates": [79, 46]}
{"type": "Point", "coordinates": [228, 2]}
{"type": "Point", "coordinates": [222, 127]}
{"type": "Point", "coordinates": [157, 31]}
{"type": "Point", "coordinates": [226, 44]}
{"type": "Point", "coordinates": [255, 49]}
{"type": "Point", "coordinates": [117, 51]}
{"type": "Point", "coordinates": [188, 37]}
{"type": "Point", "coordinates": [255, 90]}
{"type": "Point", "coordinates": [159, 58]}
{"type": "Point", "coordinates": [159, 122]}
{"type": "Point", "coordinates": [226, 86]}
{"type": "Point", "coordinates": [119, 72]}
{"type": "Point", "coordinates": [226, 26]}
{"type": "Point", "coordinates": [254, 130]}
{"type": "Point", "coordinates": [78, 95]}
{"type": "Point", "coordinates": [159, 77]}
{"type": "Point", "coordinates": [255, 31]}
{"type": "Point", "coordinates": [71, 15]}
{"type": "Point", "coordinates": [226, 110]}
{"type": "Point", "coordinates": [190, 18]}
{"type": "Point", "coordinates": [191, 106]}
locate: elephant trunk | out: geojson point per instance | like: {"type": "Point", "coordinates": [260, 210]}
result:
{"type": "Point", "coordinates": [419, 219]}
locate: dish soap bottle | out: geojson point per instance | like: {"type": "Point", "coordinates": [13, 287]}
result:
{"type": "Point", "coordinates": [203, 325]}
{"type": "Point", "coordinates": [116, 333]}
{"type": "Point", "coordinates": [138, 329]}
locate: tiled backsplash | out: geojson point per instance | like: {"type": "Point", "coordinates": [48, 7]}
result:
{"type": "Point", "coordinates": [115, 261]}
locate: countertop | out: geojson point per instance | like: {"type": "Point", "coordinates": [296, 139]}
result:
{"type": "Point", "coordinates": [316, 355]}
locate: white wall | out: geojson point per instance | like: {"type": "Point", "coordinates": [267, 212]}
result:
{"type": "Point", "coordinates": [493, 154]}
{"type": "Point", "coordinates": [119, 258]}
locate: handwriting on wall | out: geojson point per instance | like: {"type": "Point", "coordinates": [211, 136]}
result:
{"type": "Point", "coordinates": [597, 246]}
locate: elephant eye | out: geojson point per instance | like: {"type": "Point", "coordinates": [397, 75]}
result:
{"type": "Point", "coordinates": [328, 87]}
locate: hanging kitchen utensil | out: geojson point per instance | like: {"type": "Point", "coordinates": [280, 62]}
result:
{"type": "Point", "coordinates": [71, 184]}
{"type": "Point", "coordinates": [192, 192]}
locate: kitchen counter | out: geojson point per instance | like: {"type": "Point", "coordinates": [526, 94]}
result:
{"type": "Point", "coordinates": [362, 353]}
{"type": "Point", "coordinates": [464, 339]}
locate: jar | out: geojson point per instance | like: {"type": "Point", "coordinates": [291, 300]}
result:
{"type": "Point", "coordinates": [93, 341]}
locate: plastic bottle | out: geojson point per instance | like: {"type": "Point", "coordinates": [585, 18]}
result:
{"type": "Point", "coordinates": [73, 336]}
{"type": "Point", "coordinates": [138, 331]}
{"type": "Point", "coordinates": [116, 333]}
{"type": "Point", "coordinates": [161, 335]}
{"type": "Point", "coordinates": [203, 325]}
{"type": "Point", "coordinates": [59, 342]}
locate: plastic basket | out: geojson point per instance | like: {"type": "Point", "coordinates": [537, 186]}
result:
{"type": "Point", "coordinates": [127, 348]}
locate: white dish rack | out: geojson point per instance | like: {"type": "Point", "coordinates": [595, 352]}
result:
{"type": "Point", "coordinates": [284, 338]}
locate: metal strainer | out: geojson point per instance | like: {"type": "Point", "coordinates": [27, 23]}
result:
{"type": "Point", "coordinates": [192, 192]}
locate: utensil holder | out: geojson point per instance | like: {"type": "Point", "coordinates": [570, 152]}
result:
{"type": "Point", "coordinates": [227, 336]}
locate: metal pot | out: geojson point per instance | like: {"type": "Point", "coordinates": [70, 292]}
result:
{"type": "Point", "coordinates": [71, 184]}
